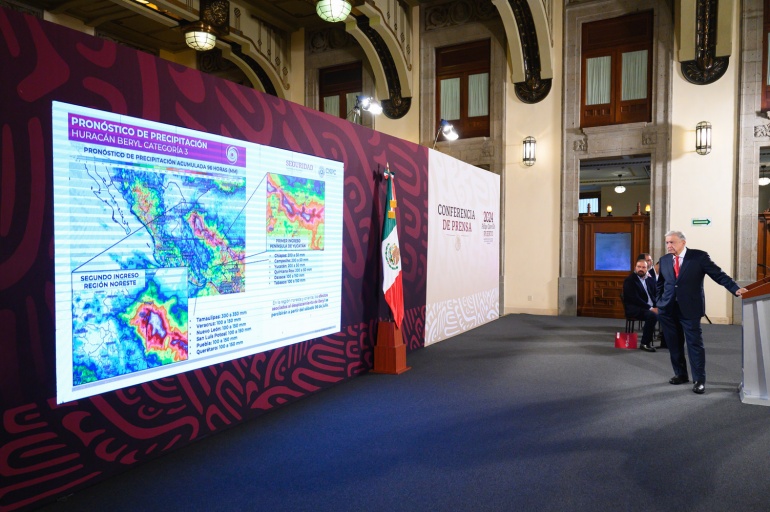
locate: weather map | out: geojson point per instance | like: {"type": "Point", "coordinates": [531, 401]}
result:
{"type": "Point", "coordinates": [127, 321]}
{"type": "Point", "coordinates": [193, 221]}
{"type": "Point", "coordinates": [175, 235]}
{"type": "Point", "coordinates": [176, 249]}
{"type": "Point", "coordinates": [295, 211]}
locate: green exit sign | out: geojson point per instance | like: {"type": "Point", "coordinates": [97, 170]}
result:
{"type": "Point", "coordinates": [701, 222]}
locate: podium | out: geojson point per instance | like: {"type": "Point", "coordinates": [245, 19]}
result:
{"type": "Point", "coordinates": [390, 351]}
{"type": "Point", "coordinates": [756, 343]}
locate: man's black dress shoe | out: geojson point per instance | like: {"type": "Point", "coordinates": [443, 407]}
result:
{"type": "Point", "coordinates": [698, 387]}
{"type": "Point", "coordinates": [648, 348]}
{"type": "Point", "coordinates": [678, 379]}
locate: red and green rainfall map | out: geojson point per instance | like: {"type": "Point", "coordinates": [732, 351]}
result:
{"type": "Point", "coordinates": [177, 249]}
{"type": "Point", "coordinates": [148, 239]}
{"type": "Point", "coordinates": [295, 212]}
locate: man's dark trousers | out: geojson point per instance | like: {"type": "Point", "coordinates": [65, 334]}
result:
{"type": "Point", "coordinates": [676, 328]}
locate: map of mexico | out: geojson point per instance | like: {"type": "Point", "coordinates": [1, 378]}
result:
{"type": "Point", "coordinates": [177, 249]}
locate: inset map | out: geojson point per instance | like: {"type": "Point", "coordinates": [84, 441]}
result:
{"type": "Point", "coordinates": [295, 212]}
{"type": "Point", "coordinates": [127, 321]}
{"type": "Point", "coordinates": [146, 239]}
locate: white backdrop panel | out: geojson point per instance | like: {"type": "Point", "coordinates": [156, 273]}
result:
{"type": "Point", "coordinates": [463, 287]}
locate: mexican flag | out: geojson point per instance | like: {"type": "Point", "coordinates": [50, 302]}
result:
{"type": "Point", "coordinates": [391, 255]}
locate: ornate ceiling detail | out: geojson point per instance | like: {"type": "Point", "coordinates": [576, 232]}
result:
{"type": "Point", "coordinates": [707, 67]}
{"type": "Point", "coordinates": [217, 14]}
{"type": "Point", "coordinates": [534, 88]}
{"type": "Point", "coordinates": [396, 106]}
{"type": "Point", "coordinates": [329, 39]}
{"type": "Point", "coordinates": [269, 46]}
{"type": "Point", "coordinates": [457, 13]}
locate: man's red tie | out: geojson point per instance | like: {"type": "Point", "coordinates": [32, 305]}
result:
{"type": "Point", "coordinates": [676, 266]}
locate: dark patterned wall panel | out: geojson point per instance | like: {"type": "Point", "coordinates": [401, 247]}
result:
{"type": "Point", "coordinates": [49, 450]}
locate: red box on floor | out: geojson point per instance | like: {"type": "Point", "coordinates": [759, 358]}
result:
{"type": "Point", "coordinates": [626, 340]}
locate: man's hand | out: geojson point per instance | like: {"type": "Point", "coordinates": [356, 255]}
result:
{"type": "Point", "coordinates": [654, 310]}
{"type": "Point", "coordinates": [741, 292]}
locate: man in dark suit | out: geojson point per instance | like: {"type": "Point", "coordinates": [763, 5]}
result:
{"type": "Point", "coordinates": [650, 266]}
{"type": "Point", "coordinates": [639, 301]}
{"type": "Point", "coordinates": [651, 272]}
{"type": "Point", "coordinates": [681, 303]}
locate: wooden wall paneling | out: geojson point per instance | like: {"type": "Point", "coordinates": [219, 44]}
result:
{"type": "Point", "coordinates": [599, 290]}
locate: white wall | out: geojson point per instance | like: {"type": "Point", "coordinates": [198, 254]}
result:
{"type": "Point", "coordinates": [532, 197]}
{"type": "Point", "coordinates": [704, 186]}
{"type": "Point", "coordinates": [463, 244]}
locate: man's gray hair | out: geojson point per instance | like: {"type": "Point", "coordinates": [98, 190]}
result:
{"type": "Point", "coordinates": [677, 234]}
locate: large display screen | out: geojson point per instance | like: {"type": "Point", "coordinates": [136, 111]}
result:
{"type": "Point", "coordinates": [177, 249]}
{"type": "Point", "coordinates": [613, 251]}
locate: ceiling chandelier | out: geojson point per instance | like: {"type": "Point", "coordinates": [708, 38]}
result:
{"type": "Point", "coordinates": [333, 10]}
{"type": "Point", "coordinates": [214, 20]}
{"type": "Point", "coordinates": [200, 37]}
{"type": "Point", "coordinates": [620, 188]}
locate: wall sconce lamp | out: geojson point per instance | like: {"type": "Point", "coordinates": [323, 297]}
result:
{"type": "Point", "coordinates": [367, 104]}
{"type": "Point", "coordinates": [703, 138]}
{"type": "Point", "coordinates": [647, 210]}
{"type": "Point", "coordinates": [448, 130]}
{"type": "Point", "coordinates": [332, 10]}
{"type": "Point", "coordinates": [214, 20]}
{"type": "Point", "coordinates": [620, 188]}
{"type": "Point", "coordinates": [609, 210]}
{"type": "Point", "coordinates": [529, 151]}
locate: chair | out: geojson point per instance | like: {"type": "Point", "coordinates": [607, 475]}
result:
{"type": "Point", "coordinates": [632, 324]}
{"type": "Point", "coordinates": [630, 327]}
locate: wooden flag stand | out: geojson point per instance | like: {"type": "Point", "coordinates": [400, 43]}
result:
{"type": "Point", "coordinates": [390, 351]}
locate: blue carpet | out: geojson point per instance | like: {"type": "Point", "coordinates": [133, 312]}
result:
{"type": "Point", "coordinates": [524, 413]}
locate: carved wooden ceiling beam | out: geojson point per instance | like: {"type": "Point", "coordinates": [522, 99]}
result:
{"type": "Point", "coordinates": [534, 88]}
{"type": "Point", "coordinates": [706, 68]}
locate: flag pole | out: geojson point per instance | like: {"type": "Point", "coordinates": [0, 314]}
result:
{"type": "Point", "coordinates": [390, 351]}
{"type": "Point", "coordinates": [380, 177]}
{"type": "Point", "coordinates": [386, 174]}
